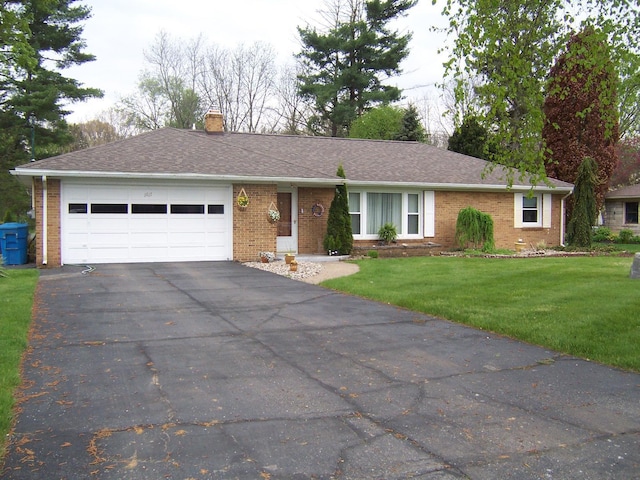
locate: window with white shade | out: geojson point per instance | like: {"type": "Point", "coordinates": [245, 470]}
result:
{"type": "Point", "coordinates": [370, 210]}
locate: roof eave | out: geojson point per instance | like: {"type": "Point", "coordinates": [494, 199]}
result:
{"type": "Point", "coordinates": [32, 172]}
{"type": "Point", "coordinates": [28, 173]}
{"type": "Point", "coordinates": [465, 186]}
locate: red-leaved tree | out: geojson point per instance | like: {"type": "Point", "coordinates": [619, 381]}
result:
{"type": "Point", "coordinates": [581, 112]}
{"type": "Point", "coordinates": [628, 170]}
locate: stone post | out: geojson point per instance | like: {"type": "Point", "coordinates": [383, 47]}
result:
{"type": "Point", "coordinates": [635, 266]}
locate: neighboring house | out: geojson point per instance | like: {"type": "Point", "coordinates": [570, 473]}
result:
{"type": "Point", "coordinates": [621, 209]}
{"type": "Point", "coordinates": [171, 195]}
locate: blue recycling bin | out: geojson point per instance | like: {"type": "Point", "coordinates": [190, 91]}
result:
{"type": "Point", "coordinates": [14, 242]}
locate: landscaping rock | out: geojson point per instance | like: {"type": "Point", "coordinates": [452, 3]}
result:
{"type": "Point", "coordinates": [635, 266]}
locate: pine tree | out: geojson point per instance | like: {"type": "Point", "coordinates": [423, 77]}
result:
{"type": "Point", "coordinates": [411, 128]}
{"type": "Point", "coordinates": [343, 66]}
{"type": "Point", "coordinates": [470, 138]}
{"type": "Point", "coordinates": [585, 209]}
{"type": "Point", "coordinates": [339, 237]}
{"type": "Point", "coordinates": [42, 39]}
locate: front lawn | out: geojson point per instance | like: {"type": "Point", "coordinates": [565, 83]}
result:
{"type": "Point", "coordinates": [16, 299]}
{"type": "Point", "coordinates": [583, 306]}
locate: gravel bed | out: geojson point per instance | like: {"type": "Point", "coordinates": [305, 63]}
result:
{"type": "Point", "coordinates": [305, 269]}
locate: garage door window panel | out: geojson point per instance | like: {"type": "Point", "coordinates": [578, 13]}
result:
{"type": "Point", "coordinates": [110, 208]}
{"type": "Point", "coordinates": [215, 209]}
{"type": "Point", "coordinates": [78, 208]}
{"type": "Point", "coordinates": [151, 208]}
{"type": "Point", "coordinates": [187, 209]}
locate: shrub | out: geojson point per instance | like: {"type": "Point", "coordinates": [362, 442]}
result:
{"type": "Point", "coordinates": [339, 236]}
{"type": "Point", "coordinates": [603, 234]}
{"type": "Point", "coordinates": [372, 254]}
{"type": "Point", "coordinates": [625, 236]}
{"type": "Point", "coordinates": [9, 217]}
{"type": "Point", "coordinates": [388, 233]}
{"type": "Point", "coordinates": [476, 228]}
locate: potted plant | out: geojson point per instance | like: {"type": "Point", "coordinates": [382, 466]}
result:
{"type": "Point", "coordinates": [273, 213]}
{"type": "Point", "coordinates": [289, 257]}
{"type": "Point", "coordinates": [267, 257]}
{"type": "Point", "coordinates": [293, 266]}
{"type": "Point", "coordinates": [242, 200]}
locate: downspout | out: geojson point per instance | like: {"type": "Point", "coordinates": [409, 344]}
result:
{"type": "Point", "coordinates": [44, 219]}
{"type": "Point", "coordinates": [562, 218]}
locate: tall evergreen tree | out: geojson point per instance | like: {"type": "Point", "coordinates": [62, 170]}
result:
{"type": "Point", "coordinates": [344, 65]}
{"type": "Point", "coordinates": [470, 138]}
{"type": "Point", "coordinates": [339, 237]}
{"type": "Point", "coordinates": [411, 128]}
{"type": "Point", "coordinates": [43, 39]}
{"type": "Point", "coordinates": [585, 209]}
{"type": "Point", "coordinates": [581, 112]}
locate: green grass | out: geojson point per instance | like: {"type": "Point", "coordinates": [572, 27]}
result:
{"type": "Point", "coordinates": [583, 306]}
{"type": "Point", "coordinates": [16, 300]}
{"type": "Point", "coordinates": [622, 247]}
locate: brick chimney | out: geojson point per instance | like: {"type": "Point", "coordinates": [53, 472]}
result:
{"type": "Point", "coordinates": [214, 122]}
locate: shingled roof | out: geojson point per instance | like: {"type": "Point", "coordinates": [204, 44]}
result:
{"type": "Point", "coordinates": [170, 152]}
{"type": "Point", "coordinates": [631, 191]}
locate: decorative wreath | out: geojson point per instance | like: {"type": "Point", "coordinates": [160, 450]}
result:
{"type": "Point", "coordinates": [317, 210]}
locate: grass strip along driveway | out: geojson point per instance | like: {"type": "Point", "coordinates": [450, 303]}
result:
{"type": "Point", "coordinates": [582, 306]}
{"type": "Point", "coordinates": [16, 300]}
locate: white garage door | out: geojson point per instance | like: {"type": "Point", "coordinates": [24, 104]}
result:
{"type": "Point", "coordinates": [114, 223]}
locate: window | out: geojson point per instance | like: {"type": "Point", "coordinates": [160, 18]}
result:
{"type": "Point", "coordinates": [77, 208]}
{"type": "Point", "coordinates": [413, 214]}
{"type": "Point", "coordinates": [155, 208]}
{"type": "Point", "coordinates": [215, 209]}
{"type": "Point", "coordinates": [183, 209]}
{"type": "Point", "coordinates": [530, 210]}
{"type": "Point", "coordinates": [631, 212]}
{"type": "Point", "coordinates": [371, 210]}
{"type": "Point", "coordinates": [354, 211]}
{"type": "Point", "coordinates": [109, 208]}
{"type": "Point", "coordinates": [384, 208]}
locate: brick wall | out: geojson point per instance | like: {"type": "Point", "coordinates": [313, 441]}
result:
{"type": "Point", "coordinates": [54, 253]}
{"type": "Point", "coordinates": [500, 207]}
{"type": "Point", "coordinates": [252, 231]}
{"type": "Point", "coordinates": [312, 229]}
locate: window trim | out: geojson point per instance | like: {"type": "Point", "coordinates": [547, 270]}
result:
{"type": "Point", "coordinates": [404, 213]}
{"type": "Point", "coordinates": [543, 208]}
{"type": "Point", "coordinates": [637, 214]}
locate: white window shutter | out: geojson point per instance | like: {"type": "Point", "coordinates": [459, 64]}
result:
{"type": "Point", "coordinates": [429, 214]}
{"type": "Point", "coordinates": [546, 210]}
{"type": "Point", "coordinates": [517, 210]}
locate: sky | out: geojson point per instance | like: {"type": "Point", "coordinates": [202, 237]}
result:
{"type": "Point", "coordinates": [119, 31]}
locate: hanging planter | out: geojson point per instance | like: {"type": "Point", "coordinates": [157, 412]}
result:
{"type": "Point", "coordinates": [242, 200]}
{"type": "Point", "coordinates": [273, 213]}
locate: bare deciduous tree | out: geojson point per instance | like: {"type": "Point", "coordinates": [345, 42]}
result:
{"type": "Point", "coordinates": [240, 82]}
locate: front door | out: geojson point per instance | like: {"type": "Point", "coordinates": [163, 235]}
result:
{"type": "Point", "coordinates": [288, 223]}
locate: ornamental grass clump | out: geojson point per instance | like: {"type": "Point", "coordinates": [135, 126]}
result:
{"type": "Point", "coordinates": [475, 228]}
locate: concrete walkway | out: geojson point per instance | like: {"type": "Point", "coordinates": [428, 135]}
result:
{"type": "Point", "coordinates": [216, 370]}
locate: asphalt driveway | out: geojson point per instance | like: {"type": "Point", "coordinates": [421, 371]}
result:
{"type": "Point", "coordinates": [216, 370]}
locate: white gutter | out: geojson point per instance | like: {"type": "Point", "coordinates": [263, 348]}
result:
{"type": "Point", "coordinates": [456, 187]}
{"type": "Point", "coordinates": [45, 203]}
{"type": "Point", "coordinates": [31, 172]}
{"type": "Point", "coordinates": [287, 180]}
